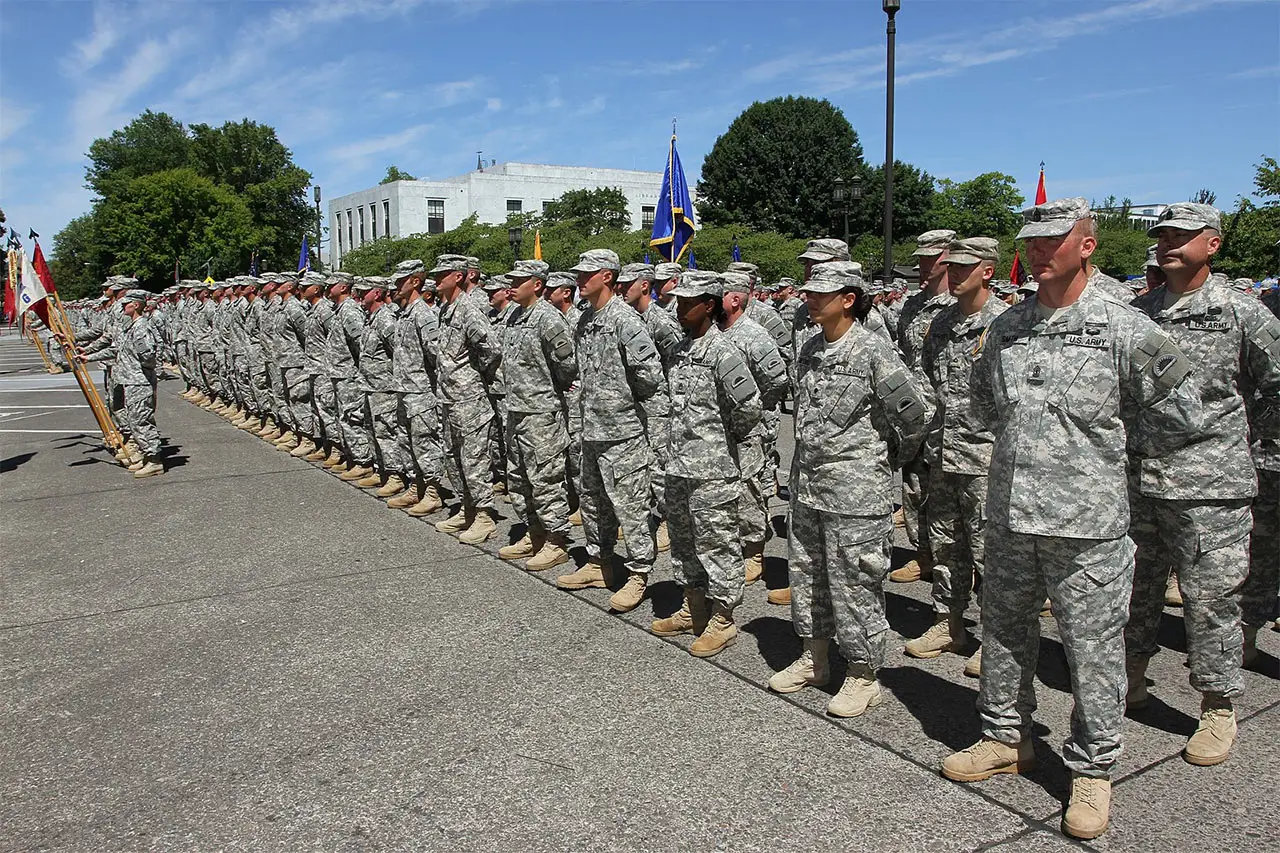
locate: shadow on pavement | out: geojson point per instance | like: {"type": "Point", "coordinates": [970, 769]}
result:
{"type": "Point", "coordinates": [11, 463]}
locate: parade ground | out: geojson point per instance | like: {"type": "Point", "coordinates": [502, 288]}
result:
{"type": "Point", "coordinates": [249, 654]}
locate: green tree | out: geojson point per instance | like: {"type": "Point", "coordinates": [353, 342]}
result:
{"type": "Point", "coordinates": [153, 142]}
{"type": "Point", "coordinates": [590, 211]}
{"type": "Point", "coordinates": [1250, 235]}
{"type": "Point", "coordinates": [394, 174]}
{"type": "Point", "coordinates": [983, 206]}
{"type": "Point", "coordinates": [913, 195]}
{"type": "Point", "coordinates": [80, 263]}
{"type": "Point", "coordinates": [773, 169]}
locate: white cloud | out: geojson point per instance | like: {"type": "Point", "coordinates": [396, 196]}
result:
{"type": "Point", "coordinates": [88, 52]}
{"type": "Point", "coordinates": [493, 105]}
{"type": "Point", "coordinates": [364, 148]}
{"type": "Point", "coordinates": [13, 118]}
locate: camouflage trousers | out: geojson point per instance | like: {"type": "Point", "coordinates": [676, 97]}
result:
{"type": "Point", "coordinates": [753, 500]}
{"type": "Point", "coordinates": [465, 439]}
{"type": "Point", "coordinates": [211, 367]}
{"type": "Point", "coordinates": [243, 385]}
{"type": "Point", "coordinates": [205, 370]}
{"type": "Point", "coordinates": [615, 493]}
{"type": "Point", "coordinates": [771, 421]}
{"type": "Point", "coordinates": [655, 431]}
{"type": "Point", "coordinates": [140, 414]}
{"type": "Point", "coordinates": [276, 405]}
{"type": "Point", "coordinates": [1207, 544]}
{"type": "Point", "coordinates": [259, 380]}
{"type": "Point", "coordinates": [356, 437]}
{"type": "Point", "coordinates": [957, 523]}
{"type": "Point", "coordinates": [498, 436]}
{"type": "Point", "coordinates": [391, 444]}
{"type": "Point", "coordinates": [419, 420]}
{"type": "Point", "coordinates": [1258, 597]}
{"type": "Point", "coordinates": [536, 443]}
{"type": "Point", "coordinates": [915, 493]}
{"type": "Point", "coordinates": [324, 403]}
{"type": "Point", "coordinates": [702, 518]}
{"type": "Point", "coordinates": [1089, 583]}
{"type": "Point", "coordinates": [573, 425]}
{"type": "Point", "coordinates": [297, 384]}
{"type": "Point", "coordinates": [837, 565]}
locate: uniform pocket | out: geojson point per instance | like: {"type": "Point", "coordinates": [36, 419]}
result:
{"type": "Point", "coordinates": [846, 395]}
{"type": "Point", "coordinates": [1090, 385]}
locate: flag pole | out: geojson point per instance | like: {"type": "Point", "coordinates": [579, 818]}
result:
{"type": "Point", "coordinates": [35, 339]}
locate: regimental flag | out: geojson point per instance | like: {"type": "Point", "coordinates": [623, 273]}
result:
{"type": "Point", "coordinates": [737, 253]}
{"type": "Point", "coordinates": [1041, 196]}
{"type": "Point", "coordinates": [42, 270]}
{"type": "Point", "coordinates": [1015, 272]}
{"type": "Point", "coordinates": [209, 279]}
{"type": "Point", "coordinates": [537, 245]}
{"type": "Point", "coordinates": [253, 263]}
{"type": "Point", "coordinates": [31, 293]}
{"type": "Point", "coordinates": [675, 221]}
{"type": "Point", "coordinates": [304, 257]}
{"type": "Point", "coordinates": [11, 286]}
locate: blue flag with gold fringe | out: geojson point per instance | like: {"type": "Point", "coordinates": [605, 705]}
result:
{"type": "Point", "coordinates": [674, 222]}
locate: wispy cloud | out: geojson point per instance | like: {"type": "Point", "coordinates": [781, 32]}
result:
{"type": "Point", "coordinates": [89, 51]}
{"type": "Point", "coordinates": [13, 117]}
{"type": "Point", "coordinates": [1251, 73]}
{"type": "Point", "coordinates": [493, 105]}
{"type": "Point", "coordinates": [391, 142]}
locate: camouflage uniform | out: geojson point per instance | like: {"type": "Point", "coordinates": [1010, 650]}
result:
{"type": "Point", "coordinates": [1063, 396]}
{"type": "Point", "coordinates": [1259, 597]}
{"type": "Point", "coordinates": [377, 379]}
{"type": "Point", "coordinates": [133, 347]}
{"type": "Point", "coordinates": [294, 369]}
{"type": "Point", "coordinates": [468, 354]}
{"type": "Point", "coordinates": [959, 450]}
{"type": "Point", "coordinates": [416, 352]}
{"type": "Point", "coordinates": [1191, 507]}
{"type": "Point", "coordinates": [573, 415]}
{"type": "Point", "coordinates": [1112, 286]}
{"type": "Point", "coordinates": [667, 337]}
{"type": "Point", "coordinates": [497, 390]}
{"type": "Point", "coordinates": [715, 406]}
{"type": "Point", "coordinates": [342, 350]}
{"type": "Point", "coordinates": [323, 401]}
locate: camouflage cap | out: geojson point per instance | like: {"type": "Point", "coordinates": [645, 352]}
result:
{"type": "Point", "coordinates": [636, 272]}
{"type": "Point", "coordinates": [594, 260]}
{"type": "Point", "coordinates": [1151, 258]}
{"type": "Point", "coordinates": [530, 269]}
{"type": "Point", "coordinates": [783, 283]}
{"type": "Point", "coordinates": [1053, 218]}
{"type": "Point", "coordinates": [473, 263]}
{"type": "Point", "coordinates": [448, 264]}
{"type": "Point", "coordinates": [561, 279]}
{"type": "Point", "coordinates": [694, 283]}
{"type": "Point", "coordinates": [1187, 216]}
{"type": "Point", "coordinates": [744, 267]}
{"type": "Point", "coordinates": [734, 281]}
{"type": "Point", "coordinates": [404, 269]}
{"type": "Point", "coordinates": [118, 286]}
{"type": "Point", "coordinates": [312, 278]}
{"type": "Point", "coordinates": [496, 283]}
{"type": "Point", "coordinates": [362, 285]}
{"type": "Point", "coordinates": [1243, 285]}
{"type": "Point", "coordinates": [340, 278]}
{"type": "Point", "coordinates": [824, 249]}
{"type": "Point", "coordinates": [378, 282]}
{"type": "Point", "coordinates": [1002, 287]}
{"type": "Point", "coordinates": [834, 278]}
{"type": "Point", "coordinates": [932, 243]}
{"type": "Point", "coordinates": [188, 282]}
{"type": "Point", "coordinates": [135, 295]}
{"type": "Point", "coordinates": [667, 271]}
{"type": "Point", "coordinates": [1029, 286]}
{"type": "Point", "coordinates": [287, 276]}
{"type": "Point", "coordinates": [972, 250]}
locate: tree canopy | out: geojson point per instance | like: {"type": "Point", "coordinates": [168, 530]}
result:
{"type": "Point", "coordinates": [394, 174]}
{"type": "Point", "coordinates": [590, 211]}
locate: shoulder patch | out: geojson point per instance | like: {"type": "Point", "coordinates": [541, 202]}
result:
{"type": "Point", "coordinates": [637, 343]}
{"type": "Point", "coordinates": [733, 374]}
{"type": "Point", "coordinates": [1267, 338]}
{"type": "Point", "coordinates": [898, 396]}
{"type": "Point", "coordinates": [562, 343]}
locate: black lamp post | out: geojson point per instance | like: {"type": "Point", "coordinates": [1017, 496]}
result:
{"type": "Point", "coordinates": [315, 193]}
{"type": "Point", "coordinates": [841, 197]}
{"type": "Point", "coordinates": [388, 260]}
{"type": "Point", "coordinates": [515, 236]}
{"type": "Point", "coordinates": [891, 8]}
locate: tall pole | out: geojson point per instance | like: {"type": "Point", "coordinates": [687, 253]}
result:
{"type": "Point", "coordinates": [890, 9]}
{"type": "Point", "coordinates": [319, 224]}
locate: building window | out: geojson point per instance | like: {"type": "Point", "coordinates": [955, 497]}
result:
{"type": "Point", "coordinates": [351, 243]}
{"type": "Point", "coordinates": [546, 205]}
{"type": "Point", "coordinates": [339, 218]}
{"type": "Point", "coordinates": [514, 205]}
{"type": "Point", "coordinates": [373, 220]}
{"type": "Point", "coordinates": [646, 217]}
{"type": "Point", "coordinates": [360, 210]}
{"type": "Point", "coordinates": [386, 217]}
{"type": "Point", "coordinates": [435, 216]}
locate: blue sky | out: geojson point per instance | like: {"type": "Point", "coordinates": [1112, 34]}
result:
{"type": "Point", "coordinates": [1150, 99]}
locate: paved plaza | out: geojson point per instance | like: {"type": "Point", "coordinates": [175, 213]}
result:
{"type": "Point", "coordinates": [249, 654]}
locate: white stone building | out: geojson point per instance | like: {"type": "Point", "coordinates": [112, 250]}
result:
{"type": "Point", "coordinates": [402, 208]}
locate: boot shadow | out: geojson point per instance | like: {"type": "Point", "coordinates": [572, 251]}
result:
{"type": "Point", "coordinates": [1159, 715]}
{"type": "Point", "coordinates": [776, 641]}
{"type": "Point", "coordinates": [906, 615]}
{"type": "Point", "coordinates": [775, 573]}
{"type": "Point", "coordinates": [1172, 633]}
{"type": "Point", "coordinates": [666, 597]}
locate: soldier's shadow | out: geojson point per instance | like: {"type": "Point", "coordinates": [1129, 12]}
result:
{"type": "Point", "coordinates": [11, 463]}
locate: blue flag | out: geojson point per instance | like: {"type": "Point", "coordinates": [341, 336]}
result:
{"type": "Point", "coordinates": [674, 222]}
{"type": "Point", "coordinates": [304, 257]}
{"type": "Point", "coordinates": [737, 254]}
{"type": "Point", "coordinates": [693, 262]}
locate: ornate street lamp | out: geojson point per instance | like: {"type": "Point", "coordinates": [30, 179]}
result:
{"type": "Point", "coordinates": [515, 236]}
{"type": "Point", "coordinates": [841, 197]}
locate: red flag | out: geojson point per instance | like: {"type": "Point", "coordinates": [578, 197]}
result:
{"type": "Point", "coordinates": [42, 270]}
{"type": "Point", "coordinates": [1015, 272]}
{"type": "Point", "coordinates": [1041, 197]}
{"type": "Point", "coordinates": [31, 293]}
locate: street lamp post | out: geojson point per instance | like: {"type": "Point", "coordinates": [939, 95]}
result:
{"type": "Point", "coordinates": [840, 196]}
{"type": "Point", "coordinates": [891, 9]}
{"type": "Point", "coordinates": [515, 237]}
{"type": "Point", "coordinates": [315, 193]}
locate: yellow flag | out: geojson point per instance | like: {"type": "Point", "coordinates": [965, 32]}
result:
{"type": "Point", "coordinates": [537, 245]}
{"type": "Point", "coordinates": [209, 280]}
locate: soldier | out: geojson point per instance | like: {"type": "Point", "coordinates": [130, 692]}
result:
{"type": "Point", "coordinates": [1258, 602]}
{"type": "Point", "coordinates": [665, 278]}
{"type": "Point", "coordinates": [559, 293]}
{"type": "Point", "coordinates": [539, 367]}
{"type": "Point", "coordinates": [1065, 379]}
{"type": "Point", "coordinates": [786, 301]}
{"type": "Point", "coordinates": [635, 286]}
{"type": "Point", "coordinates": [1191, 507]}
{"type": "Point", "coordinates": [857, 413]}
{"type": "Point", "coordinates": [296, 379]}
{"type": "Point", "coordinates": [377, 379]}
{"type": "Point", "coordinates": [715, 406]}
{"type": "Point", "coordinates": [342, 350]}
{"type": "Point", "coordinates": [501, 307]}
{"type": "Point", "coordinates": [319, 327]}
{"type": "Point", "coordinates": [769, 373]}
{"type": "Point", "coordinates": [622, 389]}
{"type": "Point", "coordinates": [959, 446]}
{"type": "Point", "coordinates": [256, 322]}
{"type": "Point", "coordinates": [469, 358]}
{"type": "Point", "coordinates": [918, 312]}
{"type": "Point", "coordinates": [111, 327]}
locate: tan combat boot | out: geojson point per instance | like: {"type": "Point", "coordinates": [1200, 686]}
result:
{"type": "Point", "coordinates": [1211, 744]}
{"type": "Point", "coordinates": [333, 458]}
{"type": "Point", "coordinates": [596, 573]}
{"type": "Point", "coordinates": [370, 480]}
{"type": "Point", "coordinates": [946, 635]}
{"type": "Point", "coordinates": [286, 442]}
{"type": "Point", "coordinates": [393, 487]}
{"type": "Point", "coordinates": [249, 423]}
{"type": "Point", "coordinates": [662, 537]}
{"type": "Point", "coordinates": [781, 597]}
{"type": "Point", "coordinates": [457, 522]}
{"type": "Point", "coordinates": [1172, 592]}
{"type": "Point", "coordinates": [753, 564]}
{"type": "Point", "coordinates": [575, 518]}
{"type": "Point", "coordinates": [430, 503]}
{"type": "Point", "coordinates": [523, 549]}
{"type": "Point", "coordinates": [1089, 809]}
{"type": "Point", "coordinates": [136, 463]}
{"type": "Point", "coordinates": [719, 634]}
{"type": "Point", "coordinates": [1136, 697]}
{"type": "Point", "coordinates": [987, 758]}
{"type": "Point", "coordinates": [915, 570]}
{"type": "Point", "coordinates": [811, 669]}
{"type": "Point", "coordinates": [551, 554]}
{"type": "Point", "coordinates": [304, 449]}
{"type": "Point", "coordinates": [691, 618]}
{"type": "Point", "coordinates": [357, 473]}
{"type": "Point", "coordinates": [405, 499]}
{"type": "Point", "coordinates": [268, 424]}
{"type": "Point", "coordinates": [480, 529]}
{"type": "Point", "coordinates": [150, 469]}
{"type": "Point", "coordinates": [859, 692]}
{"type": "Point", "coordinates": [899, 518]}
{"type": "Point", "coordinates": [973, 666]}
{"type": "Point", "coordinates": [319, 454]}
{"type": "Point", "coordinates": [632, 593]}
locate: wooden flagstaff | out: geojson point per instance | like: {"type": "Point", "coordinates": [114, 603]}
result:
{"type": "Point", "coordinates": [28, 328]}
{"type": "Point", "coordinates": [66, 337]}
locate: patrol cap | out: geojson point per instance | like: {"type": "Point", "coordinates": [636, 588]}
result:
{"type": "Point", "coordinates": [824, 249]}
{"type": "Point", "coordinates": [972, 250]}
{"type": "Point", "coordinates": [834, 278]}
{"type": "Point", "coordinates": [699, 283]}
{"type": "Point", "coordinates": [1243, 285]}
{"type": "Point", "coordinates": [362, 285]}
{"type": "Point", "coordinates": [312, 278]}
{"type": "Point", "coordinates": [933, 243]}
{"type": "Point", "coordinates": [1151, 258]}
{"type": "Point", "coordinates": [734, 281]}
{"type": "Point", "coordinates": [135, 295]}
{"type": "Point", "coordinates": [404, 269]}
{"type": "Point", "coordinates": [666, 271]}
{"type": "Point", "coordinates": [472, 263]}
{"type": "Point", "coordinates": [782, 284]}
{"type": "Point", "coordinates": [448, 264]}
{"type": "Point", "coordinates": [187, 282]}
{"type": "Point", "coordinates": [496, 283]}
{"type": "Point", "coordinates": [1187, 216]}
{"type": "Point", "coordinates": [561, 279]}
{"type": "Point", "coordinates": [636, 272]}
{"type": "Point", "coordinates": [1028, 287]}
{"type": "Point", "coordinates": [1053, 218]}
{"type": "Point", "coordinates": [1001, 287]}
{"type": "Point", "coordinates": [744, 267]}
{"type": "Point", "coordinates": [594, 260]}
{"type": "Point", "coordinates": [117, 286]}
{"type": "Point", "coordinates": [378, 282]}
{"type": "Point", "coordinates": [529, 269]}
{"type": "Point", "coordinates": [286, 277]}
{"type": "Point", "coordinates": [340, 278]}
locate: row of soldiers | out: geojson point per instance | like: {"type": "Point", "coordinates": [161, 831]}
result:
{"type": "Point", "coordinates": [1040, 443]}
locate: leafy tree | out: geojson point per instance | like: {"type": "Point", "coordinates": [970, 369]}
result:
{"type": "Point", "coordinates": [394, 174]}
{"type": "Point", "coordinates": [1266, 181]}
{"type": "Point", "coordinates": [81, 263]}
{"type": "Point", "coordinates": [1204, 196]}
{"type": "Point", "coordinates": [591, 211]}
{"type": "Point", "coordinates": [913, 195]}
{"type": "Point", "coordinates": [153, 142]}
{"type": "Point", "coordinates": [983, 206]}
{"type": "Point", "coordinates": [773, 169]}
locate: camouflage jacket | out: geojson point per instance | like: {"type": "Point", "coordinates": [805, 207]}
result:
{"type": "Point", "coordinates": [342, 349]}
{"type": "Point", "coordinates": [1234, 347]}
{"type": "Point", "coordinates": [239, 343]}
{"type": "Point", "coordinates": [293, 333]}
{"type": "Point", "coordinates": [771, 321]}
{"type": "Point", "coordinates": [416, 348]}
{"type": "Point", "coordinates": [858, 413]}
{"type": "Point", "coordinates": [1063, 398]}
{"type": "Point", "coordinates": [316, 336]}
{"type": "Point", "coordinates": [377, 349]}
{"type": "Point", "coordinates": [787, 310]}
{"type": "Point", "coordinates": [133, 349]}
{"type": "Point", "coordinates": [764, 361]}
{"type": "Point", "coordinates": [715, 405]}
{"type": "Point", "coordinates": [202, 326]}
{"type": "Point", "coordinates": [665, 331]}
{"type": "Point", "coordinates": [1106, 283]}
{"type": "Point", "coordinates": [469, 351]}
{"type": "Point", "coordinates": [538, 361]}
{"type": "Point", "coordinates": [623, 388]}
{"type": "Point", "coordinates": [918, 311]}
{"type": "Point", "coordinates": [113, 323]}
